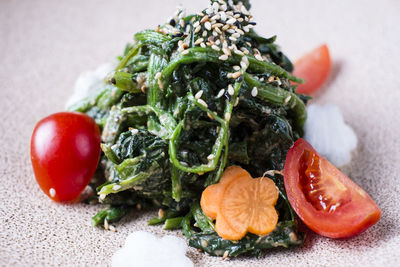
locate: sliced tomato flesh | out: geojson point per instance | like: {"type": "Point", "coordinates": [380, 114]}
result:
{"type": "Point", "coordinates": [324, 198]}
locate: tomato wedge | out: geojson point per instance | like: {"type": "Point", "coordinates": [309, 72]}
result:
{"type": "Point", "coordinates": [314, 68]}
{"type": "Point", "coordinates": [325, 199]}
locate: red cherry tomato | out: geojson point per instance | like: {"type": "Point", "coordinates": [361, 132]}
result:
{"type": "Point", "coordinates": [314, 68]}
{"type": "Point", "coordinates": [65, 150]}
{"type": "Point", "coordinates": [325, 199]}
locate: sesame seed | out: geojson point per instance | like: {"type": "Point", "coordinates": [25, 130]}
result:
{"type": "Point", "coordinates": [240, 19]}
{"type": "Point", "coordinates": [216, 48]}
{"type": "Point", "coordinates": [223, 7]}
{"type": "Point", "coordinates": [287, 99]}
{"type": "Point", "coordinates": [259, 57]}
{"type": "Point", "coordinates": [231, 31]}
{"type": "Point", "coordinates": [238, 52]}
{"type": "Point", "coordinates": [209, 11]}
{"type": "Point", "coordinates": [254, 92]}
{"type": "Point", "coordinates": [198, 94]}
{"type": "Point", "coordinates": [182, 162]}
{"type": "Point", "coordinates": [229, 13]}
{"type": "Point", "coordinates": [232, 38]}
{"type": "Point", "coordinates": [250, 25]}
{"type": "Point", "coordinates": [225, 27]}
{"type": "Point", "coordinates": [106, 226]}
{"type": "Point", "coordinates": [246, 29]}
{"type": "Point", "coordinates": [236, 102]}
{"type": "Point", "coordinates": [185, 52]}
{"type": "Point", "coordinates": [198, 28]}
{"type": "Point", "coordinates": [182, 23]}
{"type": "Point", "coordinates": [204, 19]}
{"type": "Point", "coordinates": [236, 67]}
{"type": "Point", "coordinates": [202, 102]}
{"type": "Point", "coordinates": [116, 187]}
{"type": "Point", "coordinates": [52, 192]}
{"type": "Point", "coordinates": [204, 34]}
{"type": "Point", "coordinates": [207, 25]}
{"type": "Point", "coordinates": [203, 45]}
{"type": "Point", "coordinates": [204, 243]}
{"type": "Point", "coordinates": [229, 75]}
{"type": "Point", "coordinates": [222, 16]}
{"type": "Point", "coordinates": [102, 196]}
{"type": "Point", "coordinates": [244, 10]}
{"type": "Point", "coordinates": [231, 21]}
{"type": "Point", "coordinates": [161, 213]}
{"type": "Point", "coordinates": [231, 91]}
{"type": "Point", "coordinates": [227, 116]}
{"type": "Point", "coordinates": [211, 157]}
{"type": "Point", "coordinates": [217, 25]}
{"type": "Point", "coordinates": [220, 93]}
{"type": "Point", "coordinates": [236, 16]}
{"type": "Point", "coordinates": [236, 74]}
{"type": "Point", "coordinates": [134, 131]}
{"type": "Point", "coordinates": [215, 6]}
{"type": "Point", "coordinates": [226, 51]}
{"type": "Point", "coordinates": [210, 116]}
{"type": "Point", "coordinates": [198, 41]}
{"type": "Point", "coordinates": [218, 42]}
{"type": "Point", "coordinates": [239, 31]}
{"type": "Point", "coordinates": [243, 64]}
{"type": "Point", "coordinates": [226, 254]}
{"type": "Point", "coordinates": [112, 228]}
{"type": "Point", "coordinates": [160, 84]}
{"type": "Point", "coordinates": [236, 35]}
{"type": "Point", "coordinates": [224, 44]}
{"type": "Point", "coordinates": [200, 14]}
{"type": "Point", "coordinates": [214, 33]}
{"type": "Point", "coordinates": [216, 17]}
{"type": "Point", "coordinates": [223, 57]}
{"type": "Point", "coordinates": [180, 43]}
{"type": "Point", "coordinates": [158, 75]}
{"type": "Point", "coordinates": [197, 23]}
{"type": "Point", "coordinates": [271, 79]}
{"type": "Point", "coordinates": [245, 60]}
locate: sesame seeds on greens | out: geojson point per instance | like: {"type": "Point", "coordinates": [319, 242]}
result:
{"type": "Point", "coordinates": [172, 121]}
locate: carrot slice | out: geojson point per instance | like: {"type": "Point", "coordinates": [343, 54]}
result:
{"type": "Point", "coordinates": [241, 204]}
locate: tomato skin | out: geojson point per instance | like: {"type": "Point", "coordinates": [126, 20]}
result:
{"type": "Point", "coordinates": [314, 68]}
{"type": "Point", "coordinates": [356, 215]}
{"type": "Point", "coordinates": [65, 150]}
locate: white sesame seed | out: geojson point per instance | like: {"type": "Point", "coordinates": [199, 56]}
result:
{"type": "Point", "coordinates": [287, 99]}
{"type": "Point", "coordinates": [216, 48]}
{"type": "Point", "coordinates": [240, 19]}
{"type": "Point", "coordinates": [209, 11]}
{"type": "Point", "coordinates": [211, 157]}
{"type": "Point", "coordinates": [227, 116]}
{"type": "Point", "coordinates": [246, 29]}
{"type": "Point", "coordinates": [216, 25]}
{"type": "Point", "coordinates": [207, 25]}
{"type": "Point", "coordinates": [158, 75]}
{"type": "Point", "coordinates": [222, 16]}
{"type": "Point", "coordinates": [236, 35]}
{"type": "Point", "coordinates": [197, 23]}
{"type": "Point", "coordinates": [243, 64]}
{"type": "Point", "coordinates": [245, 60]}
{"type": "Point", "coordinates": [216, 17]}
{"type": "Point", "coordinates": [161, 213]}
{"type": "Point", "coordinates": [254, 92]}
{"type": "Point", "coordinates": [250, 26]}
{"type": "Point", "coordinates": [236, 102]}
{"type": "Point", "coordinates": [200, 14]}
{"type": "Point", "coordinates": [203, 45]}
{"type": "Point", "coordinates": [229, 75]}
{"type": "Point", "coordinates": [218, 42]}
{"type": "Point", "coordinates": [198, 28]}
{"type": "Point", "coordinates": [185, 52]}
{"type": "Point", "coordinates": [102, 196]}
{"type": "Point", "coordinates": [236, 68]}
{"type": "Point", "coordinates": [236, 74]}
{"type": "Point", "coordinates": [218, 30]}
{"type": "Point", "coordinates": [238, 52]}
{"type": "Point", "coordinates": [204, 34]}
{"type": "Point", "coordinates": [198, 94]}
{"type": "Point", "coordinates": [223, 57]}
{"type": "Point", "coordinates": [232, 38]}
{"type": "Point", "coordinates": [231, 31]}
{"type": "Point", "coordinates": [215, 6]}
{"type": "Point", "coordinates": [231, 21]}
{"type": "Point", "coordinates": [204, 19]}
{"type": "Point", "coordinates": [244, 10]}
{"type": "Point", "coordinates": [116, 187]}
{"type": "Point", "coordinates": [226, 51]}
{"type": "Point", "coordinates": [134, 131]}
{"type": "Point", "coordinates": [236, 16]}
{"type": "Point", "coordinates": [225, 27]}
{"type": "Point", "coordinates": [202, 102]}
{"type": "Point", "coordinates": [220, 93]}
{"type": "Point", "coordinates": [198, 41]}
{"type": "Point", "coordinates": [226, 254]}
{"type": "Point", "coordinates": [223, 7]}
{"type": "Point", "coordinates": [52, 192]}
{"type": "Point", "coordinates": [224, 44]}
{"type": "Point", "coordinates": [106, 226]}
{"type": "Point", "coordinates": [183, 163]}
{"type": "Point", "coordinates": [182, 23]}
{"type": "Point", "coordinates": [259, 57]}
{"type": "Point", "coordinates": [229, 13]}
{"type": "Point", "coordinates": [214, 33]}
{"type": "Point", "coordinates": [239, 31]}
{"type": "Point", "coordinates": [231, 91]}
{"type": "Point", "coordinates": [112, 228]}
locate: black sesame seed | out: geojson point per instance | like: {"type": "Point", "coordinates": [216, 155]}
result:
{"type": "Point", "coordinates": [177, 35]}
{"type": "Point", "coordinates": [239, 79]}
{"type": "Point", "coordinates": [252, 23]}
{"type": "Point", "coordinates": [228, 96]}
{"type": "Point", "coordinates": [113, 81]}
{"type": "Point", "coordinates": [172, 22]}
{"type": "Point", "coordinates": [237, 23]}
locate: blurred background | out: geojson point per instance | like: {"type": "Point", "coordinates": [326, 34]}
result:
{"type": "Point", "coordinates": [45, 45]}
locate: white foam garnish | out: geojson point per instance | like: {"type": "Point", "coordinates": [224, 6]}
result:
{"type": "Point", "coordinates": [327, 132]}
{"type": "Point", "coordinates": [89, 81]}
{"type": "Point", "coordinates": [143, 249]}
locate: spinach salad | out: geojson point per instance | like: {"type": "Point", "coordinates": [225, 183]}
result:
{"type": "Point", "coordinates": [195, 95]}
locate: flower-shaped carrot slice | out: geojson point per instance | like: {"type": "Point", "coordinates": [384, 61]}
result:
{"type": "Point", "coordinates": [241, 204]}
